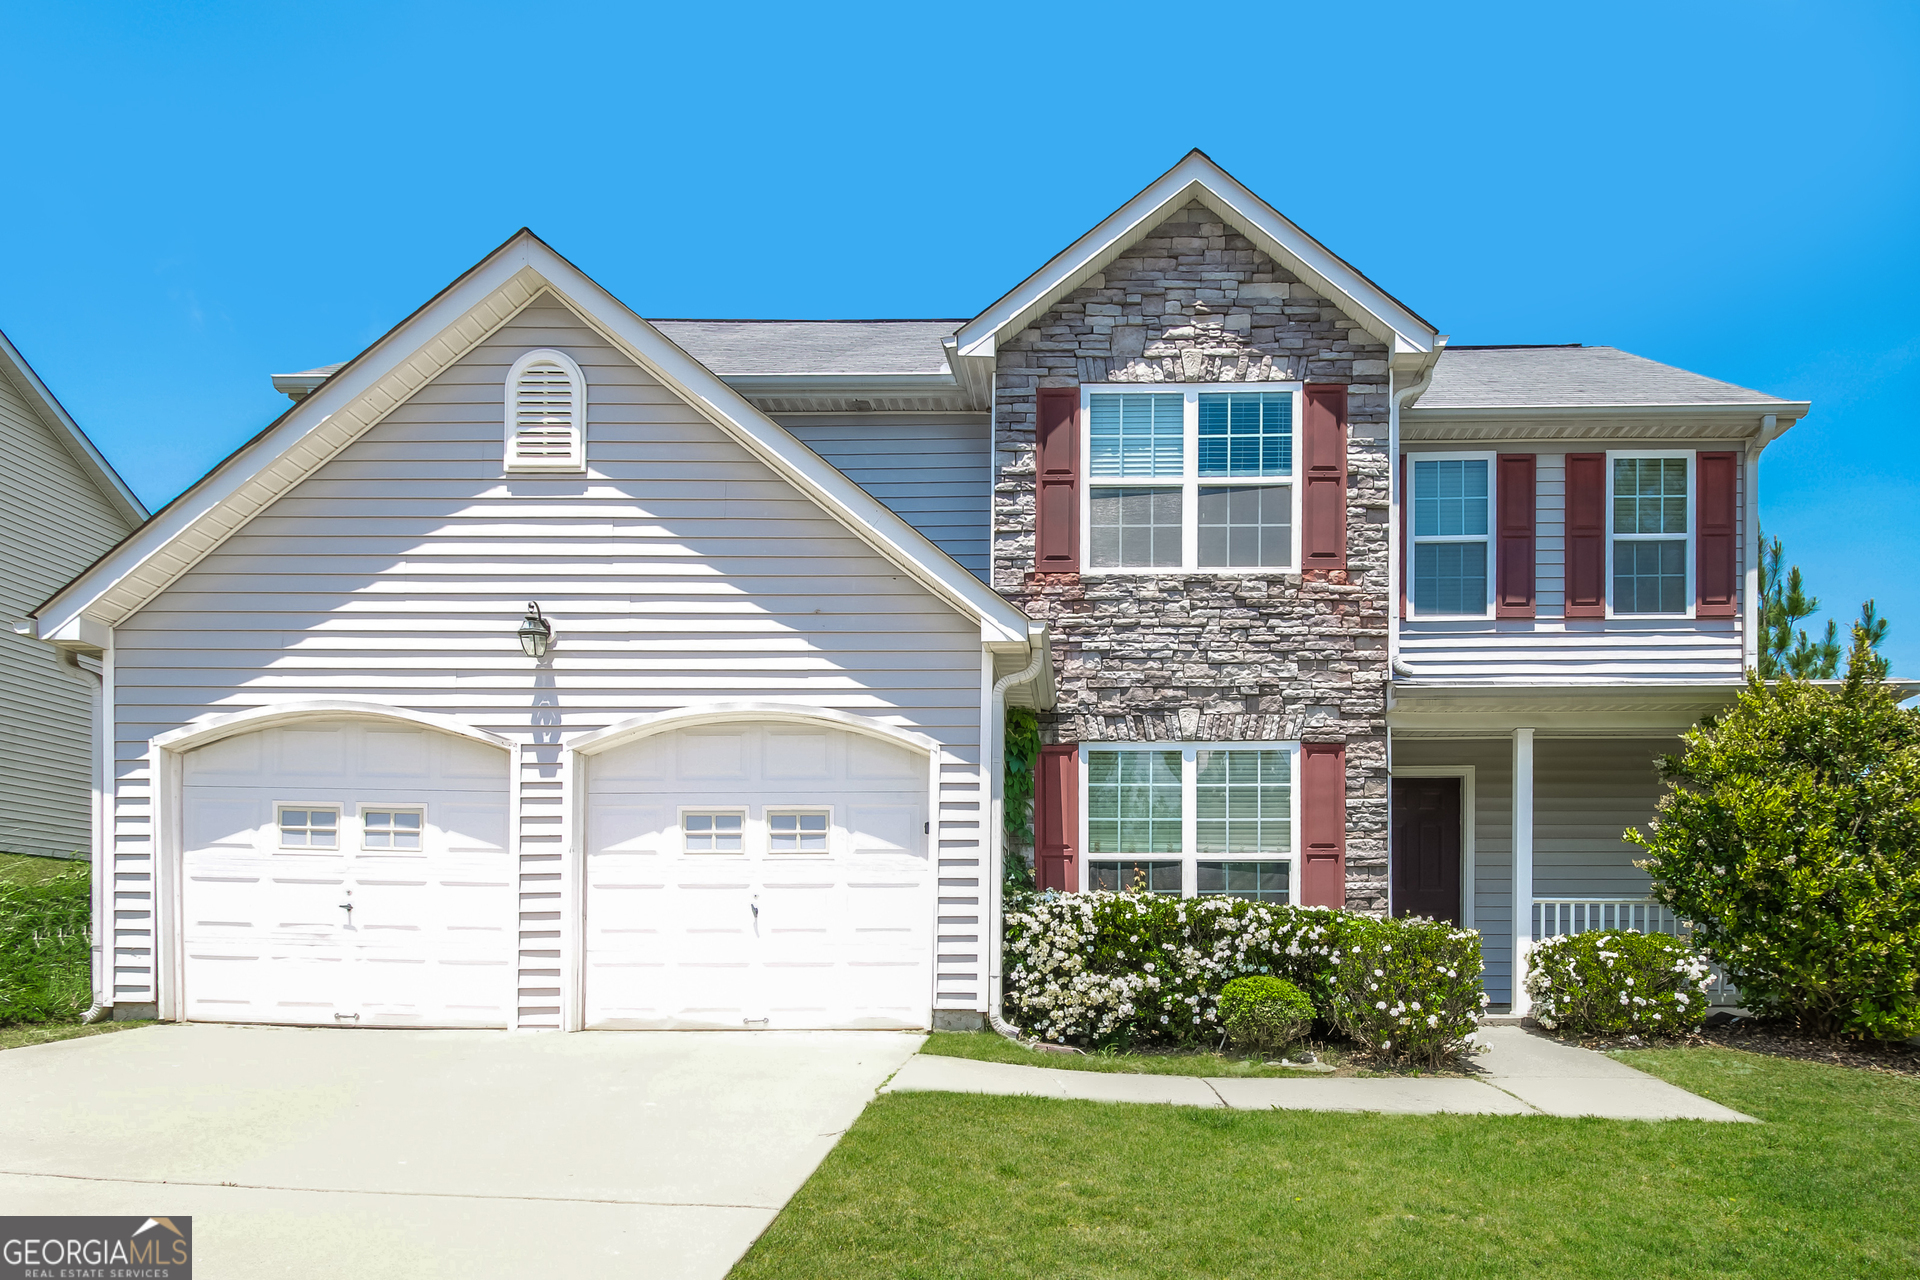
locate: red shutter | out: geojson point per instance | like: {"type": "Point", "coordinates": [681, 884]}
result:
{"type": "Point", "coordinates": [1323, 821]}
{"type": "Point", "coordinates": [1056, 501]}
{"type": "Point", "coordinates": [1716, 514]}
{"type": "Point", "coordinates": [1513, 574]}
{"type": "Point", "coordinates": [1323, 542]}
{"type": "Point", "coordinates": [1586, 535]}
{"type": "Point", "coordinates": [1056, 818]}
{"type": "Point", "coordinates": [1404, 588]}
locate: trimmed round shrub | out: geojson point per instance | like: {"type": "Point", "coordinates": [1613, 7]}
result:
{"type": "Point", "coordinates": [1264, 1014]}
{"type": "Point", "coordinates": [1608, 983]}
{"type": "Point", "coordinates": [1409, 989]}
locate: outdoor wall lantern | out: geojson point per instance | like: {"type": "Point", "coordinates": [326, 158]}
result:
{"type": "Point", "coordinates": [535, 633]}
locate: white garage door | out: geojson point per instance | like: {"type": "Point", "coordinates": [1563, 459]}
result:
{"type": "Point", "coordinates": [346, 873]}
{"type": "Point", "coordinates": [759, 876]}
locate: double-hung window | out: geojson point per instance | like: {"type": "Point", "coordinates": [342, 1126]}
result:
{"type": "Point", "coordinates": [1191, 819]}
{"type": "Point", "coordinates": [1191, 479]}
{"type": "Point", "coordinates": [1651, 515]}
{"type": "Point", "coordinates": [1452, 531]}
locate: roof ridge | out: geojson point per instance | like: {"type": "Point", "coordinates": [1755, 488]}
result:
{"type": "Point", "coordinates": [781, 320]}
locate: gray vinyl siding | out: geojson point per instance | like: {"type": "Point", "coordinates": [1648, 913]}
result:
{"type": "Point", "coordinates": [1492, 762]}
{"type": "Point", "coordinates": [1586, 792]}
{"type": "Point", "coordinates": [1549, 647]}
{"type": "Point", "coordinates": [678, 570]}
{"type": "Point", "coordinates": [931, 470]}
{"type": "Point", "coordinates": [54, 522]}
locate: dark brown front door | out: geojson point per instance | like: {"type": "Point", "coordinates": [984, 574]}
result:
{"type": "Point", "coordinates": [1426, 848]}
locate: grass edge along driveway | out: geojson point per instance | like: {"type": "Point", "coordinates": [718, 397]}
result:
{"type": "Point", "coordinates": [937, 1185]}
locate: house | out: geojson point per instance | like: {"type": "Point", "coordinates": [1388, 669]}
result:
{"type": "Point", "coordinates": [61, 507]}
{"type": "Point", "coordinates": [548, 667]}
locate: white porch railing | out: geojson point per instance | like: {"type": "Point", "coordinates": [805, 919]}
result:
{"type": "Point", "coordinates": [1553, 917]}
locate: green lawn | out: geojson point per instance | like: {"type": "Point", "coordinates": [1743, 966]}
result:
{"type": "Point", "coordinates": [21, 1036]}
{"type": "Point", "coordinates": [986, 1046]}
{"type": "Point", "coordinates": [31, 868]}
{"type": "Point", "coordinates": [934, 1185]}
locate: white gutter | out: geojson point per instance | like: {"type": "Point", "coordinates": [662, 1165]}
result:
{"type": "Point", "coordinates": [1770, 430]}
{"type": "Point", "coordinates": [99, 885]}
{"type": "Point", "coordinates": [997, 829]}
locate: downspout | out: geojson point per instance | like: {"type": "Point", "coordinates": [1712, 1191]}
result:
{"type": "Point", "coordinates": [97, 878]}
{"type": "Point", "coordinates": [1397, 400]}
{"type": "Point", "coordinates": [997, 835]}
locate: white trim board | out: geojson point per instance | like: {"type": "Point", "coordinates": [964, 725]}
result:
{"type": "Point", "coordinates": [1407, 337]}
{"type": "Point", "coordinates": [418, 350]}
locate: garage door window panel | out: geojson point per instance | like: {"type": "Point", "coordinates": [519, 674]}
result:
{"type": "Point", "coordinates": [392, 830]}
{"type": "Point", "coordinates": [305, 826]}
{"type": "Point", "coordinates": [799, 830]}
{"type": "Point", "coordinates": [713, 830]}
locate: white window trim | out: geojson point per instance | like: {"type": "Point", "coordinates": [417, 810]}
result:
{"type": "Point", "coordinates": [765, 828]}
{"type": "Point", "coordinates": [1190, 482]}
{"type": "Point", "coordinates": [1692, 524]}
{"type": "Point", "coordinates": [381, 806]}
{"type": "Point", "coordinates": [680, 831]}
{"type": "Point", "coordinates": [577, 462]}
{"type": "Point", "coordinates": [339, 819]}
{"type": "Point", "coordinates": [1414, 540]}
{"type": "Point", "coordinates": [1189, 821]}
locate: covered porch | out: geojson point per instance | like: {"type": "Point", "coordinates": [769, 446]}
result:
{"type": "Point", "coordinates": [1509, 804]}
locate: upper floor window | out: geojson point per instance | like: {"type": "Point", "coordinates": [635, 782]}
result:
{"type": "Point", "coordinates": [1452, 524]}
{"type": "Point", "coordinates": [546, 413]}
{"type": "Point", "coordinates": [1190, 479]}
{"type": "Point", "coordinates": [1651, 517]}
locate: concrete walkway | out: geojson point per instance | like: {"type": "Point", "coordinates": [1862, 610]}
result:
{"type": "Point", "coordinates": [1522, 1074]}
{"type": "Point", "coordinates": [436, 1153]}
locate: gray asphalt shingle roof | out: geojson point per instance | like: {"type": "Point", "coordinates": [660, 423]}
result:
{"type": "Point", "coordinates": [1518, 377]}
{"type": "Point", "coordinates": [743, 347]}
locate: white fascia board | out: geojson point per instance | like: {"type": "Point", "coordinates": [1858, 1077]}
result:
{"type": "Point", "coordinates": [417, 350]}
{"type": "Point", "coordinates": [1404, 333]}
{"type": "Point", "coordinates": [763, 384]}
{"type": "Point", "coordinates": [730, 410]}
{"type": "Point", "coordinates": [72, 438]}
{"type": "Point", "coordinates": [1785, 410]}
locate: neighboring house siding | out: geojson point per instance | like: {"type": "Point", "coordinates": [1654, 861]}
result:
{"type": "Point", "coordinates": [931, 470]}
{"type": "Point", "coordinates": [1258, 656]}
{"type": "Point", "coordinates": [1586, 792]}
{"type": "Point", "coordinates": [1492, 762]}
{"type": "Point", "coordinates": [679, 570]}
{"type": "Point", "coordinates": [54, 522]}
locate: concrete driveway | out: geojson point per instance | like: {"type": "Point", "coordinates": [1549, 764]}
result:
{"type": "Point", "coordinates": [436, 1153]}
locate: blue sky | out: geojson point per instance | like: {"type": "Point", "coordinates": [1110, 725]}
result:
{"type": "Point", "coordinates": [200, 195]}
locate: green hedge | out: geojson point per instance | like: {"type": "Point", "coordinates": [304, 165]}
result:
{"type": "Point", "coordinates": [1264, 1014]}
{"type": "Point", "coordinates": [45, 932]}
{"type": "Point", "coordinates": [1135, 969]}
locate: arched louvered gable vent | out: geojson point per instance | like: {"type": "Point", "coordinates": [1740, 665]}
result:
{"type": "Point", "coordinates": [546, 414]}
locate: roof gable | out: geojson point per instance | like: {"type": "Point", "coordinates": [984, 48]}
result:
{"type": "Point", "coordinates": [385, 375]}
{"type": "Point", "coordinates": [14, 367]}
{"type": "Point", "coordinates": [1410, 340]}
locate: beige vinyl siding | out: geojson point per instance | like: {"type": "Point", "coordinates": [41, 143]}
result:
{"type": "Point", "coordinates": [54, 522]}
{"type": "Point", "coordinates": [930, 469]}
{"type": "Point", "coordinates": [678, 570]}
{"type": "Point", "coordinates": [1492, 762]}
{"type": "Point", "coordinates": [1586, 792]}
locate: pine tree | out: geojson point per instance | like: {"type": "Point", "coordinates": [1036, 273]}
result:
{"type": "Point", "coordinates": [1783, 603]}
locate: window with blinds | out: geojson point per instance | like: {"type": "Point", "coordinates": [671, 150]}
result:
{"type": "Point", "coordinates": [546, 414]}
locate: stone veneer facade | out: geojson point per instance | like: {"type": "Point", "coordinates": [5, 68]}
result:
{"type": "Point", "coordinates": [1242, 657]}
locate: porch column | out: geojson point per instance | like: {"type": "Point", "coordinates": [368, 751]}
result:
{"type": "Point", "coordinates": [1522, 863]}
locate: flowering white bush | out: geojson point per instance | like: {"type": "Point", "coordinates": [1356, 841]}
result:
{"type": "Point", "coordinates": [1607, 982]}
{"type": "Point", "coordinates": [1117, 968]}
{"type": "Point", "coordinates": [1409, 989]}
